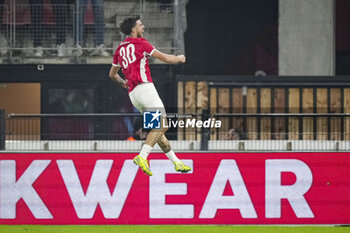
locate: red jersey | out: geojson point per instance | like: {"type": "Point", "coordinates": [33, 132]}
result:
{"type": "Point", "coordinates": [132, 55]}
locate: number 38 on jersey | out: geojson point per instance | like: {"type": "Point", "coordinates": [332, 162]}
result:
{"type": "Point", "coordinates": [128, 55]}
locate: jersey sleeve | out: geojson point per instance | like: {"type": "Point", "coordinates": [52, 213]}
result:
{"type": "Point", "coordinates": [115, 60]}
{"type": "Point", "coordinates": [148, 48]}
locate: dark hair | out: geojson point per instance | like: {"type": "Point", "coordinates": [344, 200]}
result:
{"type": "Point", "coordinates": [128, 23]}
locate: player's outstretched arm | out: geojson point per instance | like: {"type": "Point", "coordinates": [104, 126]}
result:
{"type": "Point", "coordinates": [113, 74]}
{"type": "Point", "coordinates": [168, 58]}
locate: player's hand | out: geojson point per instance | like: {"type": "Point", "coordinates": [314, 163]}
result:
{"type": "Point", "coordinates": [125, 84]}
{"type": "Point", "coordinates": [182, 58]}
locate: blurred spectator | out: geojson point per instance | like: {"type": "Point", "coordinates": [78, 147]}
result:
{"type": "Point", "coordinates": [233, 134]}
{"type": "Point", "coordinates": [166, 6]}
{"type": "Point", "coordinates": [36, 11]}
{"type": "Point", "coordinates": [3, 41]}
{"type": "Point", "coordinates": [98, 13]}
{"type": "Point", "coordinates": [1, 9]}
{"type": "Point", "coordinates": [139, 132]}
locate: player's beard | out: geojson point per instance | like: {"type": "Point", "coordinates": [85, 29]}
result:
{"type": "Point", "coordinates": [139, 34]}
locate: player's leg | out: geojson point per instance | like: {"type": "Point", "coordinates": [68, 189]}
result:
{"type": "Point", "coordinates": [145, 98]}
{"type": "Point", "coordinates": [155, 135]}
{"type": "Point", "coordinates": [152, 138]}
{"type": "Point", "coordinates": [164, 144]}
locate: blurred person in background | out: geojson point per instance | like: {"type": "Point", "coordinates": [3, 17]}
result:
{"type": "Point", "coordinates": [139, 132]}
{"type": "Point", "coordinates": [3, 41]}
{"type": "Point", "coordinates": [37, 13]}
{"type": "Point", "coordinates": [233, 134]}
{"type": "Point", "coordinates": [166, 6]}
{"type": "Point", "coordinates": [1, 10]}
{"type": "Point", "coordinates": [98, 13]}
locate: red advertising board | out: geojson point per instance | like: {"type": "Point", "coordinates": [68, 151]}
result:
{"type": "Point", "coordinates": [223, 188]}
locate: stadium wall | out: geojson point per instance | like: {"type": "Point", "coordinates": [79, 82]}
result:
{"type": "Point", "coordinates": [220, 39]}
{"type": "Point", "coordinates": [222, 188]}
{"type": "Point", "coordinates": [306, 37]}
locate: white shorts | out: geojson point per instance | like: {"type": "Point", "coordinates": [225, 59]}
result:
{"type": "Point", "coordinates": [145, 98]}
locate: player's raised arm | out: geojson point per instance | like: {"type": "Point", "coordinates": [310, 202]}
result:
{"type": "Point", "coordinates": [168, 58]}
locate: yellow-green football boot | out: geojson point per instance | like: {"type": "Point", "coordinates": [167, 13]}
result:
{"type": "Point", "coordinates": [143, 164]}
{"type": "Point", "coordinates": [181, 167]}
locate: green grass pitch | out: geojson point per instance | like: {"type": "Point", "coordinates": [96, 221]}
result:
{"type": "Point", "coordinates": [170, 229]}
